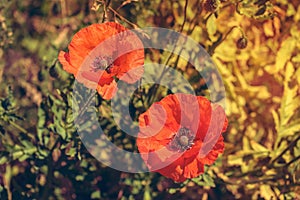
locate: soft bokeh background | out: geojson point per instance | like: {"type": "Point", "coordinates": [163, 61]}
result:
{"type": "Point", "coordinates": [41, 156]}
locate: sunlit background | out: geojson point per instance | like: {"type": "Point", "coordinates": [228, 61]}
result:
{"type": "Point", "coordinates": [255, 45]}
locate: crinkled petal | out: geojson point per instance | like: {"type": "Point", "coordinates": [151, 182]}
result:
{"type": "Point", "coordinates": [131, 66]}
{"type": "Point", "coordinates": [85, 40]}
{"type": "Point", "coordinates": [205, 117]}
{"type": "Point", "coordinates": [104, 40]}
{"type": "Point", "coordinates": [213, 154]}
{"type": "Point", "coordinates": [192, 168]}
{"type": "Point", "coordinates": [171, 113]}
{"type": "Point", "coordinates": [174, 171]}
{"type": "Point", "coordinates": [153, 123]}
{"type": "Point", "coordinates": [213, 143]}
{"type": "Point", "coordinates": [64, 59]}
{"type": "Point", "coordinates": [107, 91]}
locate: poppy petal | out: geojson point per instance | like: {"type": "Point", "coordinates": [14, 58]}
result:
{"type": "Point", "coordinates": [90, 37]}
{"type": "Point", "coordinates": [107, 91]}
{"type": "Point", "coordinates": [213, 154]}
{"type": "Point", "coordinates": [193, 168]}
{"type": "Point", "coordinates": [174, 171]}
{"type": "Point", "coordinates": [174, 115]}
{"type": "Point", "coordinates": [134, 73]}
{"type": "Point", "coordinates": [64, 59]}
{"type": "Point", "coordinates": [213, 138]}
{"type": "Point", "coordinates": [108, 41]}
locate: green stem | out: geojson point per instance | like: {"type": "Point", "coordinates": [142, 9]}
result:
{"type": "Point", "coordinates": [154, 94]}
{"type": "Point", "coordinates": [218, 42]}
{"type": "Point", "coordinates": [286, 149]}
{"type": "Point", "coordinates": [50, 174]}
{"type": "Point", "coordinates": [21, 129]}
{"type": "Point", "coordinates": [84, 107]}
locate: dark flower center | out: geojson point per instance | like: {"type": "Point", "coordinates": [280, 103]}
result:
{"type": "Point", "coordinates": [102, 63]}
{"type": "Point", "coordinates": [183, 140]}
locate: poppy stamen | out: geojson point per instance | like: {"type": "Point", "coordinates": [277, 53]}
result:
{"type": "Point", "coordinates": [183, 140]}
{"type": "Point", "coordinates": [102, 63]}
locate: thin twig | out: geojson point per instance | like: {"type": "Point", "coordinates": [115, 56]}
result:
{"type": "Point", "coordinates": [184, 16]}
{"type": "Point", "coordinates": [104, 12]}
{"type": "Point", "coordinates": [181, 29]}
{"type": "Point", "coordinates": [172, 53]}
{"type": "Point", "coordinates": [123, 18]}
{"type": "Point", "coordinates": [105, 15]}
{"type": "Point", "coordinates": [196, 17]}
{"type": "Point", "coordinates": [286, 149]}
{"type": "Point", "coordinates": [293, 160]}
{"type": "Point", "coordinates": [217, 43]}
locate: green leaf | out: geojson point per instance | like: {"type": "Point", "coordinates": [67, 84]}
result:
{"type": "Point", "coordinates": [199, 181]}
{"type": "Point", "coordinates": [41, 128]}
{"type": "Point", "coordinates": [289, 104]}
{"type": "Point", "coordinates": [291, 10]}
{"type": "Point", "coordinates": [72, 152]}
{"type": "Point", "coordinates": [235, 160]}
{"type": "Point", "coordinates": [147, 194]}
{"type": "Point", "coordinates": [172, 190]}
{"type": "Point", "coordinates": [3, 160]}
{"type": "Point", "coordinates": [96, 195]}
{"type": "Point", "coordinates": [208, 180]}
{"type": "Point", "coordinates": [276, 120]}
{"type": "Point", "coordinates": [279, 149]}
{"type": "Point", "coordinates": [284, 53]}
{"type": "Point", "coordinates": [211, 27]}
{"type": "Point", "coordinates": [291, 129]}
{"type": "Point", "coordinates": [258, 147]}
{"type": "Point", "coordinates": [79, 178]}
{"type": "Point", "coordinates": [266, 191]}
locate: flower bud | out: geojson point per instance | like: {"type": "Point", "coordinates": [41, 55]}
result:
{"type": "Point", "coordinates": [53, 72]}
{"type": "Point", "coordinates": [211, 5]}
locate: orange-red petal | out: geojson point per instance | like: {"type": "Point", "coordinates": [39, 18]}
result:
{"type": "Point", "coordinates": [107, 91]}
{"type": "Point", "coordinates": [104, 40]}
{"type": "Point", "coordinates": [64, 59]}
{"type": "Point", "coordinates": [181, 110]}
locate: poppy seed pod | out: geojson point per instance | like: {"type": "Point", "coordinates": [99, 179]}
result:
{"type": "Point", "coordinates": [242, 43]}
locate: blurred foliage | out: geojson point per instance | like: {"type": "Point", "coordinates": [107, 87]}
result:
{"type": "Point", "coordinates": [255, 45]}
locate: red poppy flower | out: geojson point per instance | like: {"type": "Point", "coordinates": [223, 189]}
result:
{"type": "Point", "coordinates": [180, 134]}
{"type": "Point", "coordinates": [101, 53]}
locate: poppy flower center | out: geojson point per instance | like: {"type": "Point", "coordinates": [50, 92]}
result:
{"type": "Point", "coordinates": [183, 140]}
{"type": "Point", "coordinates": [102, 63]}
